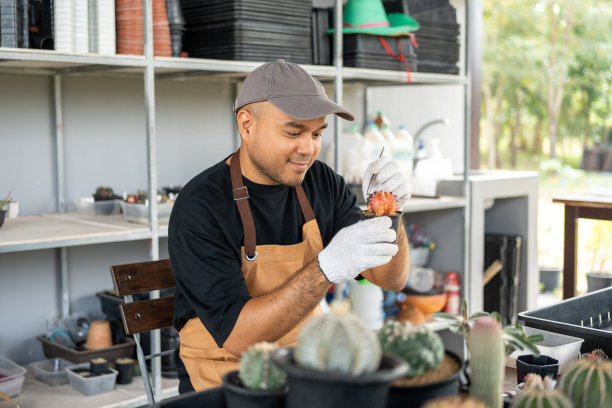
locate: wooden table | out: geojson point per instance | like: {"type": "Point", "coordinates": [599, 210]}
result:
{"type": "Point", "coordinates": [591, 206]}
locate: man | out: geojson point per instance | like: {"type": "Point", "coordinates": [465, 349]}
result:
{"type": "Point", "coordinates": [257, 240]}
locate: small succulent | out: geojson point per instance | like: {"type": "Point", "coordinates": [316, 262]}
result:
{"type": "Point", "coordinates": [596, 354]}
{"type": "Point", "coordinates": [104, 193]}
{"type": "Point", "coordinates": [420, 347]}
{"type": "Point", "coordinates": [257, 372]}
{"type": "Point", "coordinates": [514, 337]}
{"type": "Point", "coordinates": [4, 202]}
{"type": "Point", "coordinates": [382, 203]}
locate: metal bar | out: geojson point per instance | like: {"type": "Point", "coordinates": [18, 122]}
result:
{"type": "Point", "coordinates": [467, 225]}
{"type": "Point", "coordinates": [338, 62]}
{"type": "Point", "coordinates": [235, 133]}
{"type": "Point", "coordinates": [143, 368]}
{"type": "Point", "coordinates": [149, 79]}
{"type": "Point", "coordinates": [87, 68]}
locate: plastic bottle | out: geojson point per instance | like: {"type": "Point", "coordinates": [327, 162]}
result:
{"type": "Point", "coordinates": [376, 140]}
{"type": "Point", "coordinates": [381, 120]}
{"type": "Point", "coordinates": [387, 134]}
{"type": "Point", "coordinates": [367, 302]}
{"type": "Point", "coordinates": [402, 150]}
{"type": "Point", "coordinates": [453, 293]}
{"type": "Point", "coordinates": [353, 157]}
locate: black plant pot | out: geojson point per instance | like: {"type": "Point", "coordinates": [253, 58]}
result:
{"type": "Point", "coordinates": [2, 217]}
{"type": "Point", "coordinates": [125, 367]}
{"type": "Point", "coordinates": [595, 281]}
{"type": "Point", "coordinates": [238, 396]}
{"type": "Point", "coordinates": [395, 220]}
{"type": "Point", "coordinates": [541, 365]}
{"type": "Point", "coordinates": [309, 388]}
{"type": "Point", "coordinates": [417, 395]}
{"type": "Point", "coordinates": [551, 278]}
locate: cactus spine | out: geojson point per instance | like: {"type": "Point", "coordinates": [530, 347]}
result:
{"type": "Point", "coordinates": [488, 353]}
{"type": "Point", "coordinates": [338, 342]}
{"type": "Point", "coordinates": [257, 371]}
{"type": "Point", "coordinates": [538, 397]}
{"type": "Point", "coordinates": [421, 348]}
{"type": "Point", "coordinates": [588, 382]}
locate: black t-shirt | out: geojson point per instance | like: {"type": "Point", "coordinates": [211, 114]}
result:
{"type": "Point", "coordinates": [205, 237]}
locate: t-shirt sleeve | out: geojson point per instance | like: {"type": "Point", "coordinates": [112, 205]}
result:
{"type": "Point", "coordinates": [209, 276]}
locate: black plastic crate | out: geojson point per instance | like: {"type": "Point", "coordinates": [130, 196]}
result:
{"type": "Point", "coordinates": [588, 317]}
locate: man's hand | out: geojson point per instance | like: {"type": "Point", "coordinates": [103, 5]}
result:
{"type": "Point", "coordinates": [363, 245]}
{"type": "Point", "coordinates": [387, 177]}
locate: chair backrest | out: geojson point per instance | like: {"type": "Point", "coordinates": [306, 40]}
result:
{"type": "Point", "coordinates": [144, 315]}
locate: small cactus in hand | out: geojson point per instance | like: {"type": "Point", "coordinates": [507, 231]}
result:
{"type": "Point", "coordinates": [338, 342]}
{"type": "Point", "coordinates": [488, 353]}
{"type": "Point", "coordinates": [421, 348]}
{"type": "Point", "coordinates": [382, 203]}
{"type": "Point", "coordinates": [541, 394]}
{"type": "Point", "coordinates": [257, 372]}
{"type": "Point", "coordinates": [588, 383]}
{"type": "Point", "coordinates": [104, 193]}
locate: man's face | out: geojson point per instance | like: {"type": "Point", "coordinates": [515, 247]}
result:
{"type": "Point", "coordinates": [283, 148]}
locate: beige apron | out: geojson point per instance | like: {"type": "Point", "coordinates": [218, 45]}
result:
{"type": "Point", "coordinates": [272, 265]}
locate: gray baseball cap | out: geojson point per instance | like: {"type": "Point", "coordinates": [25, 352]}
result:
{"type": "Point", "coordinates": [291, 89]}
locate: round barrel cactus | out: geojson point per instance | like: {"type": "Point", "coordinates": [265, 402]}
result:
{"type": "Point", "coordinates": [338, 342]}
{"type": "Point", "coordinates": [541, 394]}
{"type": "Point", "coordinates": [257, 372]}
{"type": "Point", "coordinates": [421, 348]}
{"type": "Point", "coordinates": [588, 383]}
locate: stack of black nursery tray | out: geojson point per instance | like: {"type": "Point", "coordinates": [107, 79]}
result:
{"type": "Point", "coordinates": [249, 30]}
{"type": "Point", "coordinates": [437, 37]}
{"type": "Point", "coordinates": [14, 23]}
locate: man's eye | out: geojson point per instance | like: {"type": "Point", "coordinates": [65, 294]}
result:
{"type": "Point", "coordinates": [293, 134]}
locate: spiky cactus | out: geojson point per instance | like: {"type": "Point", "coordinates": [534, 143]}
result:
{"type": "Point", "coordinates": [382, 203]}
{"type": "Point", "coordinates": [488, 353]}
{"type": "Point", "coordinates": [588, 383]}
{"type": "Point", "coordinates": [541, 394]}
{"type": "Point", "coordinates": [257, 371]}
{"type": "Point", "coordinates": [104, 193]}
{"type": "Point", "coordinates": [338, 342]}
{"type": "Point", "coordinates": [421, 348]}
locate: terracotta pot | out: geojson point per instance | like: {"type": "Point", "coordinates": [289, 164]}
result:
{"type": "Point", "coordinates": [99, 336]}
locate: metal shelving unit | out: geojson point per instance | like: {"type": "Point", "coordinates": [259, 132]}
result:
{"type": "Point", "coordinates": [64, 230]}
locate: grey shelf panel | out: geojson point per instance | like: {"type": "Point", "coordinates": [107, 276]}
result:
{"type": "Point", "coordinates": [71, 229]}
{"type": "Point", "coordinates": [24, 60]}
{"type": "Point", "coordinates": [37, 394]}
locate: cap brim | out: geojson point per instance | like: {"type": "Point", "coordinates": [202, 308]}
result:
{"type": "Point", "coordinates": [307, 107]}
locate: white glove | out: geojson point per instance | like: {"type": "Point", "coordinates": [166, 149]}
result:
{"type": "Point", "coordinates": [387, 177]}
{"type": "Point", "coordinates": [365, 244]}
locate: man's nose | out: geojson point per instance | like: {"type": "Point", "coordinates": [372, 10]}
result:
{"type": "Point", "coordinates": [306, 145]}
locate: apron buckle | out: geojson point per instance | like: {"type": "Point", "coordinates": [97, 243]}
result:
{"type": "Point", "coordinates": [240, 193]}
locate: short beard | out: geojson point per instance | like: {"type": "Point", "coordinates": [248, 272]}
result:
{"type": "Point", "coordinates": [270, 174]}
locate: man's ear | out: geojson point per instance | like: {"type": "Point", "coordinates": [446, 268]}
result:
{"type": "Point", "coordinates": [245, 122]}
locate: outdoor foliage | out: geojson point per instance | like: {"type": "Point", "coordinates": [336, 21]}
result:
{"type": "Point", "coordinates": [546, 78]}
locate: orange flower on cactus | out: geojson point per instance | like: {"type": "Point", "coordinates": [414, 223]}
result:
{"type": "Point", "coordinates": [383, 203]}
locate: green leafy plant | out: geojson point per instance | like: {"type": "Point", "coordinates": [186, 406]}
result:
{"type": "Point", "coordinates": [4, 202]}
{"type": "Point", "coordinates": [514, 337]}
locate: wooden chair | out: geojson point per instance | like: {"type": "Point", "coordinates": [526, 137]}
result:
{"type": "Point", "coordinates": [144, 315]}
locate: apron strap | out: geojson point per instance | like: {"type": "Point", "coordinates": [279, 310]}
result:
{"type": "Point", "coordinates": [241, 195]}
{"type": "Point", "coordinates": [304, 204]}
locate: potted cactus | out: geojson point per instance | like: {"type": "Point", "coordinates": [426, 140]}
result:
{"type": "Point", "coordinates": [382, 203]}
{"type": "Point", "coordinates": [3, 203]}
{"type": "Point", "coordinates": [258, 382]}
{"type": "Point", "coordinates": [539, 394]}
{"type": "Point", "coordinates": [337, 363]}
{"type": "Point", "coordinates": [587, 382]}
{"type": "Point", "coordinates": [104, 200]}
{"type": "Point", "coordinates": [432, 373]}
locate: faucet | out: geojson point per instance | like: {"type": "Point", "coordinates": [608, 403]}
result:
{"type": "Point", "coordinates": [444, 121]}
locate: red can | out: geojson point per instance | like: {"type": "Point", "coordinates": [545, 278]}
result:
{"type": "Point", "coordinates": [452, 287]}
